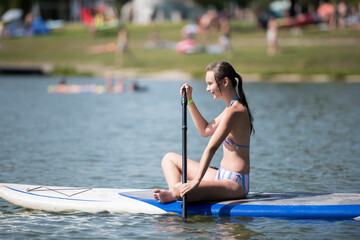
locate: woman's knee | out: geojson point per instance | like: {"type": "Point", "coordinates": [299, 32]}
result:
{"type": "Point", "coordinates": [168, 158]}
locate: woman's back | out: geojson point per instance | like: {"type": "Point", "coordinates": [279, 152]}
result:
{"type": "Point", "coordinates": [236, 147]}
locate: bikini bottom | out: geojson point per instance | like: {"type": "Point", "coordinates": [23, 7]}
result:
{"type": "Point", "coordinates": [240, 178]}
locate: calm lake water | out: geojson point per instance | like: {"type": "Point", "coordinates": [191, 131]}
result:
{"type": "Point", "coordinates": [307, 139]}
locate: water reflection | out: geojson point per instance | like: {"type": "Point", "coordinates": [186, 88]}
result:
{"type": "Point", "coordinates": [207, 227]}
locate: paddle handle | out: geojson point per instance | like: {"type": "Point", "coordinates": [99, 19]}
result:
{"type": "Point", "coordinates": [184, 150]}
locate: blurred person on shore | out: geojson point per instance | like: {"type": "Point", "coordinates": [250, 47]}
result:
{"type": "Point", "coordinates": [342, 11]}
{"type": "Point", "coordinates": [209, 24]}
{"type": "Point", "coordinates": [28, 24]}
{"type": "Point", "coordinates": [121, 45]}
{"type": "Point", "coordinates": [326, 12]}
{"type": "Point", "coordinates": [224, 38]}
{"type": "Point", "coordinates": [353, 20]}
{"type": "Point", "coordinates": [188, 45]}
{"type": "Point", "coordinates": [1, 29]}
{"type": "Point", "coordinates": [153, 41]}
{"type": "Point", "coordinates": [272, 36]}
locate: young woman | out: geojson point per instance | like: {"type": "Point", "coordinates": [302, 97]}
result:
{"type": "Point", "coordinates": [232, 128]}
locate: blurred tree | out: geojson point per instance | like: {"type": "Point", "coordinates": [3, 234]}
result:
{"type": "Point", "coordinates": [25, 5]}
{"type": "Point", "coordinates": [9, 4]}
{"type": "Point", "coordinates": [262, 5]}
{"type": "Point", "coordinates": [220, 5]}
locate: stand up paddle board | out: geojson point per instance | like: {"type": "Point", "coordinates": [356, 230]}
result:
{"type": "Point", "coordinates": [92, 200]}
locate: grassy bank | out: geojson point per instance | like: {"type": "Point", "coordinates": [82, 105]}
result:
{"type": "Point", "coordinates": [335, 54]}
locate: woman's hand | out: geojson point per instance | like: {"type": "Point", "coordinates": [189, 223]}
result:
{"type": "Point", "coordinates": [189, 186]}
{"type": "Point", "coordinates": [188, 89]}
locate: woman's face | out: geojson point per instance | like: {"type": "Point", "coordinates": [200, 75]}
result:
{"type": "Point", "coordinates": [211, 85]}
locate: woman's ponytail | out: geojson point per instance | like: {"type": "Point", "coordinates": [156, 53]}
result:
{"type": "Point", "coordinates": [242, 99]}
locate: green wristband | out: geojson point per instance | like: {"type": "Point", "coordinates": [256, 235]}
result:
{"type": "Point", "coordinates": [190, 101]}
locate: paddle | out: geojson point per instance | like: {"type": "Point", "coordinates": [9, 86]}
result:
{"type": "Point", "coordinates": [184, 151]}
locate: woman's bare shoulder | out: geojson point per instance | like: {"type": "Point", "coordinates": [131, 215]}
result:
{"type": "Point", "coordinates": [237, 111]}
{"type": "Point", "coordinates": [233, 113]}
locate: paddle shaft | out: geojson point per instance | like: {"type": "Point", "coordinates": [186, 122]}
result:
{"type": "Point", "coordinates": [184, 150]}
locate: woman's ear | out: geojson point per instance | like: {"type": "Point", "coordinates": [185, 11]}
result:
{"type": "Point", "coordinates": [226, 81]}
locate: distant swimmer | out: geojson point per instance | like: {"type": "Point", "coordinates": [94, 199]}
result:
{"type": "Point", "coordinates": [121, 86]}
{"type": "Point", "coordinates": [62, 87]}
{"type": "Point", "coordinates": [272, 36]}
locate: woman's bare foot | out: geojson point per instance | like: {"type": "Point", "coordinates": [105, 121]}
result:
{"type": "Point", "coordinates": [163, 196]}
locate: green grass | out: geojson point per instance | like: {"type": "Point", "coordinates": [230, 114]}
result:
{"type": "Point", "coordinates": [332, 53]}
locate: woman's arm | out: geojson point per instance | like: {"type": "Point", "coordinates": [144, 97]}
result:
{"type": "Point", "coordinates": [216, 140]}
{"type": "Point", "coordinates": [204, 128]}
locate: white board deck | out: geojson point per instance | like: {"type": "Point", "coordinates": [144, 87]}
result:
{"type": "Point", "coordinates": [92, 200]}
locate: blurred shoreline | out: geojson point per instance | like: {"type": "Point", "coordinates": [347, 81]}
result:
{"type": "Point", "coordinates": [311, 55]}
{"type": "Point", "coordinates": [168, 75]}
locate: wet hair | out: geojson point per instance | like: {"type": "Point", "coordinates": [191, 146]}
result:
{"type": "Point", "coordinates": [224, 69]}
